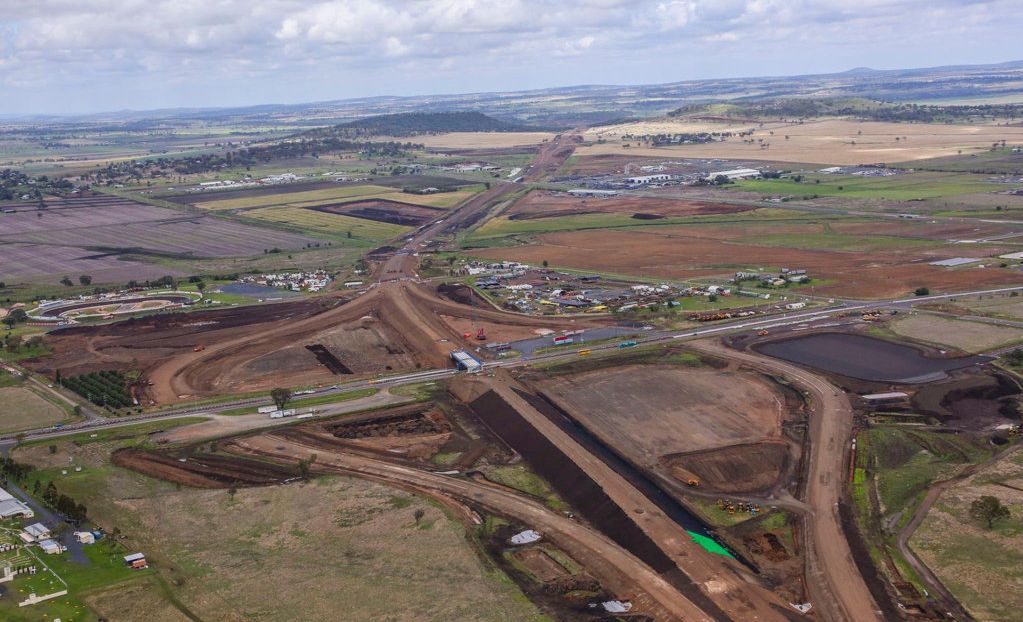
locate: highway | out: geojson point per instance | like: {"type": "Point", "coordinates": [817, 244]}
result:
{"type": "Point", "coordinates": [651, 337]}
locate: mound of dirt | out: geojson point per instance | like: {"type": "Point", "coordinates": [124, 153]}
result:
{"type": "Point", "coordinates": [645, 216]}
{"type": "Point", "coordinates": [202, 471]}
{"type": "Point", "coordinates": [736, 469]}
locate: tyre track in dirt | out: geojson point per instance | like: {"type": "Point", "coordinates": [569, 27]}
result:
{"type": "Point", "coordinates": [612, 565]}
{"type": "Point", "coordinates": [837, 588]}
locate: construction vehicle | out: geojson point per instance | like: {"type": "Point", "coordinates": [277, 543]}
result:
{"type": "Point", "coordinates": [199, 348]}
{"type": "Point", "coordinates": [764, 333]}
{"type": "Point", "coordinates": [481, 334]}
{"type": "Point", "coordinates": [584, 352]}
{"type": "Point", "coordinates": [693, 483]}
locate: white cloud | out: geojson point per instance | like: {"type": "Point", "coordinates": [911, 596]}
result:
{"type": "Point", "coordinates": [104, 49]}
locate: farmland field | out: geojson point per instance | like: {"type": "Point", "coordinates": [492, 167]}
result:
{"type": "Point", "coordinates": [831, 141]}
{"type": "Point", "coordinates": [335, 224]}
{"type": "Point", "coordinates": [103, 236]}
{"type": "Point", "coordinates": [676, 252]}
{"type": "Point", "coordinates": [903, 187]}
{"type": "Point", "coordinates": [284, 197]}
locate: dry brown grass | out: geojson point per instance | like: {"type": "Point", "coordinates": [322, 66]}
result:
{"type": "Point", "coordinates": [834, 142]}
{"type": "Point", "coordinates": [23, 409]}
{"type": "Point", "coordinates": [336, 548]}
{"type": "Point", "coordinates": [983, 568]}
{"type": "Point", "coordinates": [962, 334]}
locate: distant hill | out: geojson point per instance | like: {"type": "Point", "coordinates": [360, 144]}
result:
{"type": "Point", "coordinates": [413, 123]}
{"type": "Point", "coordinates": [857, 108]}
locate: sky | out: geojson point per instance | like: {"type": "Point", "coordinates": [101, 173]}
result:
{"type": "Point", "coordinates": [75, 56]}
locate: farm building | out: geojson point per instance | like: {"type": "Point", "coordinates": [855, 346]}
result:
{"type": "Point", "coordinates": [735, 173]}
{"type": "Point", "coordinates": [648, 179]}
{"type": "Point", "coordinates": [85, 537]}
{"type": "Point", "coordinates": [589, 192]}
{"type": "Point", "coordinates": [136, 561]}
{"type": "Point", "coordinates": [12, 507]}
{"type": "Point", "coordinates": [51, 547]}
{"type": "Point", "coordinates": [34, 533]}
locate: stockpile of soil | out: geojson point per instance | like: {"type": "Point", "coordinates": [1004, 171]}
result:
{"type": "Point", "coordinates": [747, 468]}
{"type": "Point", "coordinates": [202, 470]}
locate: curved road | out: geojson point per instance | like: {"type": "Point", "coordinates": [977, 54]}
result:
{"type": "Point", "coordinates": [836, 587]}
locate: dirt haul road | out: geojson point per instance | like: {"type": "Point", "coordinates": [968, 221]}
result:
{"type": "Point", "coordinates": [612, 565]}
{"type": "Point", "coordinates": [408, 312]}
{"type": "Point", "coordinates": [722, 582]}
{"type": "Point", "coordinates": [837, 589]}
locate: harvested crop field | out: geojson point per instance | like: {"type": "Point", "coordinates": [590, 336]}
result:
{"type": "Point", "coordinates": [836, 142]}
{"type": "Point", "coordinates": [647, 412]}
{"type": "Point", "coordinates": [545, 204]}
{"type": "Point", "coordinates": [99, 235]}
{"type": "Point", "coordinates": [888, 270]}
{"type": "Point", "coordinates": [865, 358]}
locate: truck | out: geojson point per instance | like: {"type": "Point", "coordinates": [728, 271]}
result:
{"type": "Point", "coordinates": [627, 344]}
{"type": "Point", "coordinates": [561, 340]}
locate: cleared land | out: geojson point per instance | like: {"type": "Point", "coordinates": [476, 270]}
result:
{"type": "Point", "coordinates": [869, 269]}
{"type": "Point", "coordinates": [982, 568]}
{"type": "Point", "coordinates": [23, 409]}
{"type": "Point", "coordinates": [394, 327]}
{"type": "Point", "coordinates": [836, 142]}
{"type": "Point", "coordinates": [720, 427]}
{"type": "Point", "coordinates": [960, 334]}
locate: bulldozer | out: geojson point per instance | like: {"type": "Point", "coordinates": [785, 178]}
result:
{"type": "Point", "coordinates": [693, 483]}
{"type": "Point", "coordinates": [199, 348]}
{"type": "Point", "coordinates": [764, 333]}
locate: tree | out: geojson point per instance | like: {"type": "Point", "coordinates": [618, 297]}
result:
{"type": "Point", "coordinates": [545, 264]}
{"type": "Point", "coordinates": [231, 492]}
{"type": "Point", "coordinates": [200, 286]}
{"type": "Point", "coordinates": [988, 509]}
{"type": "Point", "coordinates": [281, 397]}
{"type": "Point", "coordinates": [922, 291]}
{"type": "Point", "coordinates": [66, 281]}
{"type": "Point", "coordinates": [419, 514]}
{"type": "Point", "coordinates": [85, 279]}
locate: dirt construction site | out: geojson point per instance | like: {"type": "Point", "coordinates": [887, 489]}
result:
{"type": "Point", "coordinates": [396, 326]}
{"type": "Point", "coordinates": [622, 539]}
{"type": "Point", "coordinates": [721, 428]}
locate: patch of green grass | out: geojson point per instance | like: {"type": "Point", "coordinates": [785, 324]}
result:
{"type": "Point", "coordinates": [905, 187]}
{"type": "Point", "coordinates": [128, 432]}
{"type": "Point", "coordinates": [522, 479]}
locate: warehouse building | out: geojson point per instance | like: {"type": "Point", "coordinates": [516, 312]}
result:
{"type": "Point", "coordinates": [735, 173]}
{"type": "Point", "coordinates": [12, 507]}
